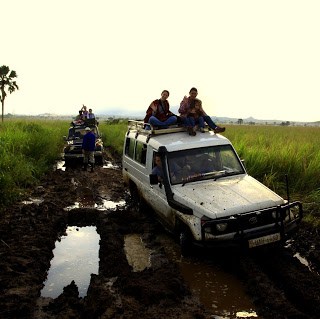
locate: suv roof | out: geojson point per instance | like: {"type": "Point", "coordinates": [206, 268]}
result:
{"type": "Point", "coordinates": [175, 138]}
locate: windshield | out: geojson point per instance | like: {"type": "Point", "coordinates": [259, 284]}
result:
{"type": "Point", "coordinates": [203, 163]}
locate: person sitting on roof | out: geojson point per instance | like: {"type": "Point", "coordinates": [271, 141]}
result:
{"type": "Point", "coordinates": [78, 119]}
{"type": "Point", "coordinates": [84, 112]}
{"type": "Point", "coordinates": [158, 113]}
{"type": "Point", "coordinates": [90, 114]}
{"type": "Point", "coordinates": [195, 116]}
{"type": "Point", "coordinates": [187, 104]}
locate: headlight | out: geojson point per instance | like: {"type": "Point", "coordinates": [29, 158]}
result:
{"type": "Point", "coordinates": [208, 230]}
{"type": "Point", "coordinates": [289, 216]}
{"type": "Point", "coordinates": [221, 227]}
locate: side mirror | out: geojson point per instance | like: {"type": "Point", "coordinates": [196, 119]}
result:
{"type": "Point", "coordinates": [153, 179]}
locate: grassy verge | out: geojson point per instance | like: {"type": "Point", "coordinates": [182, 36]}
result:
{"type": "Point", "coordinates": [28, 150]}
{"type": "Point", "coordinates": [272, 154]}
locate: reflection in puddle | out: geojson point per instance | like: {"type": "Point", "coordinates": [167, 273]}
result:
{"type": "Point", "coordinates": [59, 165]}
{"type": "Point", "coordinates": [217, 290]}
{"type": "Point", "coordinates": [138, 255]}
{"type": "Point", "coordinates": [302, 260]}
{"type": "Point", "coordinates": [110, 165]}
{"type": "Point", "coordinates": [75, 258]}
{"type": "Point", "coordinates": [106, 204]}
{"type": "Point", "coordinates": [36, 201]}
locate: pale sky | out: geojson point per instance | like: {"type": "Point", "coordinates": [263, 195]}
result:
{"type": "Point", "coordinates": [245, 57]}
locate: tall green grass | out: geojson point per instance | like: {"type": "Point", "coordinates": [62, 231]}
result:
{"type": "Point", "coordinates": [272, 154]}
{"type": "Point", "coordinates": [29, 148]}
{"type": "Point", "coordinates": [27, 151]}
{"type": "Point", "coordinates": [113, 135]}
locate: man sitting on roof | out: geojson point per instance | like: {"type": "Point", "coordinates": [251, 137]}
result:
{"type": "Point", "coordinates": [158, 113]}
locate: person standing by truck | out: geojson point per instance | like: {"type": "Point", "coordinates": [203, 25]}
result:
{"type": "Point", "coordinates": [88, 146]}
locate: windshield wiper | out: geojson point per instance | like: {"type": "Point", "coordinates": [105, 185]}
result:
{"type": "Point", "coordinates": [200, 176]}
{"type": "Point", "coordinates": [215, 175]}
{"type": "Point", "coordinates": [225, 174]}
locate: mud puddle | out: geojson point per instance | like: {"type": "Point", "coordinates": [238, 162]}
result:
{"type": "Point", "coordinates": [75, 259]}
{"type": "Point", "coordinates": [219, 291]}
{"type": "Point", "coordinates": [138, 255]}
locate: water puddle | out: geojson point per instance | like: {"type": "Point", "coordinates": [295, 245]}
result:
{"type": "Point", "coordinates": [217, 290]}
{"type": "Point", "coordinates": [137, 254]}
{"type": "Point", "coordinates": [59, 165]}
{"type": "Point", "coordinates": [36, 201]}
{"type": "Point", "coordinates": [106, 204]}
{"type": "Point", "coordinates": [76, 257]}
{"type": "Point", "coordinates": [110, 165]}
{"type": "Point", "coordinates": [302, 260]}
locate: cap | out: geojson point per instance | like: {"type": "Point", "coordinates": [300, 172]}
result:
{"type": "Point", "coordinates": [87, 129]}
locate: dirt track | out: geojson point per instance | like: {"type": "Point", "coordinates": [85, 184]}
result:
{"type": "Point", "coordinates": [278, 283]}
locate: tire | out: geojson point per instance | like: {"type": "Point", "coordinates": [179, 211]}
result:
{"type": "Point", "coordinates": [185, 241]}
{"type": "Point", "coordinates": [68, 162]}
{"type": "Point", "coordinates": [99, 160]}
{"type": "Point", "coordinates": [137, 199]}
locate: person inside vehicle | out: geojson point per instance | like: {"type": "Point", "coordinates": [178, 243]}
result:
{"type": "Point", "coordinates": [158, 113]}
{"type": "Point", "coordinates": [88, 147]}
{"type": "Point", "coordinates": [157, 170]}
{"type": "Point", "coordinates": [173, 169]}
{"type": "Point", "coordinates": [187, 104]}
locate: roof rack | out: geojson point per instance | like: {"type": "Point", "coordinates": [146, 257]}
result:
{"type": "Point", "coordinates": [146, 128]}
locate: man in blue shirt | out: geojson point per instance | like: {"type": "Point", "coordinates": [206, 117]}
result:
{"type": "Point", "coordinates": [88, 147]}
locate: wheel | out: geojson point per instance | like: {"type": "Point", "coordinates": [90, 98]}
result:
{"type": "Point", "coordinates": [99, 160]}
{"type": "Point", "coordinates": [137, 199]}
{"type": "Point", "coordinates": [185, 241]}
{"type": "Point", "coordinates": [68, 162]}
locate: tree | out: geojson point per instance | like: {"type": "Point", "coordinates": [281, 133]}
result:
{"type": "Point", "coordinates": [6, 83]}
{"type": "Point", "coordinates": [240, 121]}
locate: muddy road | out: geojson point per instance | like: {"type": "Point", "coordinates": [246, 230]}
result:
{"type": "Point", "coordinates": [282, 283]}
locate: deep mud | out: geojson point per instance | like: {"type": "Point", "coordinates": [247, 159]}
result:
{"type": "Point", "coordinates": [279, 284]}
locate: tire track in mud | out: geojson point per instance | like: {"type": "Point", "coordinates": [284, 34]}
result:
{"type": "Point", "coordinates": [280, 285]}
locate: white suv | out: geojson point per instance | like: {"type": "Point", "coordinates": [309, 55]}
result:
{"type": "Point", "coordinates": [206, 195]}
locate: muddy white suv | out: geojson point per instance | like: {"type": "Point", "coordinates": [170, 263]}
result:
{"type": "Point", "coordinates": [205, 195]}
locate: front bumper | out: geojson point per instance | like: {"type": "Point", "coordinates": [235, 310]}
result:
{"type": "Point", "coordinates": [253, 229]}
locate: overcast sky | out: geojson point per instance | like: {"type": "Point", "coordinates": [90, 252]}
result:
{"type": "Point", "coordinates": [246, 57]}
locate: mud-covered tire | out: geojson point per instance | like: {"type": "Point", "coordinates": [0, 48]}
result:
{"type": "Point", "coordinates": [99, 160]}
{"type": "Point", "coordinates": [136, 198]}
{"type": "Point", "coordinates": [185, 241]}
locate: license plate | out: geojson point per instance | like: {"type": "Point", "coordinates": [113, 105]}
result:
{"type": "Point", "coordinates": [264, 240]}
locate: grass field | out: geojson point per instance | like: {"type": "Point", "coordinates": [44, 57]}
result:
{"type": "Point", "coordinates": [28, 149]}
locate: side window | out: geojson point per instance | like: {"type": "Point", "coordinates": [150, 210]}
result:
{"type": "Point", "coordinates": [141, 153]}
{"type": "Point", "coordinates": [129, 148]}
